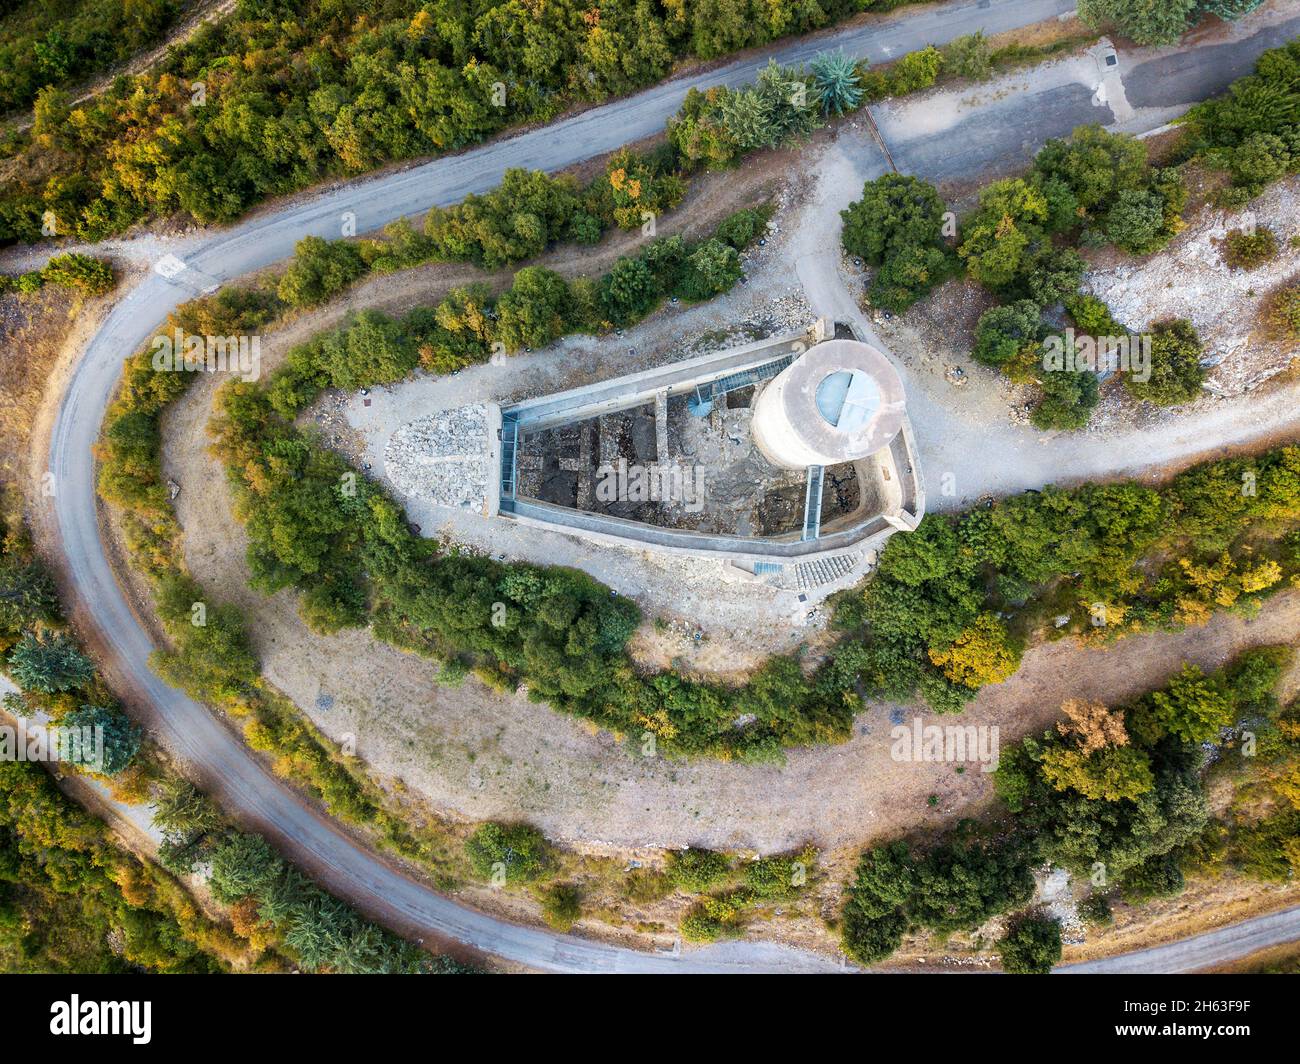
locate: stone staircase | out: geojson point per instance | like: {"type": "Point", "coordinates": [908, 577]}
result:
{"type": "Point", "coordinates": [822, 571]}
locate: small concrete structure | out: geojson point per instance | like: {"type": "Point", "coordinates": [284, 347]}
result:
{"type": "Point", "coordinates": [842, 401]}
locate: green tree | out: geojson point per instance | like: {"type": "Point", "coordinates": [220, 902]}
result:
{"type": "Point", "coordinates": [243, 864]}
{"type": "Point", "coordinates": [1193, 707]}
{"type": "Point", "coordinates": [1176, 372]}
{"type": "Point", "coordinates": [119, 735]}
{"type": "Point", "coordinates": [1005, 231]}
{"type": "Point", "coordinates": [514, 853]}
{"type": "Point", "coordinates": [836, 81]}
{"type": "Point", "coordinates": [535, 310]}
{"type": "Point", "coordinates": [896, 211]}
{"type": "Point", "coordinates": [49, 663]}
{"type": "Point", "coordinates": [628, 291]}
{"type": "Point", "coordinates": [1095, 165]}
{"type": "Point", "coordinates": [1004, 332]}
{"type": "Point", "coordinates": [1109, 774]}
{"type": "Point", "coordinates": [1136, 222]}
{"type": "Point", "coordinates": [1031, 946]}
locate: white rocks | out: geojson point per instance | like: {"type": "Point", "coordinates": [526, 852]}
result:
{"type": "Point", "coordinates": [443, 457]}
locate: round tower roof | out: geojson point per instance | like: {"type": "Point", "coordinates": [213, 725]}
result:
{"type": "Point", "coordinates": [843, 399]}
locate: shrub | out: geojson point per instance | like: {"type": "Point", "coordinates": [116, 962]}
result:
{"type": "Point", "coordinates": [741, 228]}
{"type": "Point", "coordinates": [969, 56]}
{"type": "Point", "coordinates": [1068, 400]}
{"type": "Point", "coordinates": [711, 919]}
{"type": "Point", "coordinates": [895, 212]}
{"type": "Point", "coordinates": [510, 853]}
{"type": "Point", "coordinates": [1176, 372]}
{"type": "Point", "coordinates": [711, 268]}
{"type": "Point", "coordinates": [646, 886]}
{"type": "Point", "coordinates": [535, 310]}
{"type": "Point", "coordinates": [1095, 909]}
{"type": "Point", "coordinates": [90, 275]}
{"type": "Point", "coordinates": [696, 871]}
{"type": "Point", "coordinates": [1281, 312]}
{"type": "Point", "coordinates": [915, 71]}
{"type": "Point", "coordinates": [1004, 332]}
{"type": "Point", "coordinates": [1259, 160]}
{"type": "Point", "coordinates": [628, 291]}
{"type": "Point", "coordinates": [1136, 221]}
{"type": "Point", "coordinates": [562, 906]}
{"type": "Point", "coordinates": [1031, 946]}
{"type": "Point", "coordinates": [1249, 251]}
{"type": "Point", "coordinates": [777, 877]}
{"type": "Point", "coordinates": [320, 270]}
{"type": "Point", "coordinates": [1156, 877]}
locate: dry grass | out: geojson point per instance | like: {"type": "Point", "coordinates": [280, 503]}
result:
{"type": "Point", "coordinates": [33, 329]}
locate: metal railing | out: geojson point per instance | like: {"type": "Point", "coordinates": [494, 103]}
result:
{"type": "Point", "coordinates": [812, 503]}
{"type": "Point", "coordinates": [509, 455]}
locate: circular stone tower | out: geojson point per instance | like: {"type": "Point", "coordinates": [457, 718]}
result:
{"type": "Point", "coordinates": [839, 402]}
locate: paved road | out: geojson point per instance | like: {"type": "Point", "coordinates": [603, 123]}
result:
{"type": "Point", "coordinates": [1209, 950]}
{"type": "Point", "coordinates": [239, 783]}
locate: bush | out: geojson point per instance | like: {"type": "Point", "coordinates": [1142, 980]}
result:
{"type": "Point", "coordinates": [711, 268]}
{"type": "Point", "coordinates": [696, 871]}
{"type": "Point", "coordinates": [646, 886]}
{"type": "Point", "coordinates": [915, 71]}
{"type": "Point", "coordinates": [741, 228]}
{"type": "Point", "coordinates": [508, 853]}
{"type": "Point", "coordinates": [895, 212]}
{"type": "Point", "coordinates": [1157, 877]}
{"type": "Point", "coordinates": [1005, 332]}
{"type": "Point", "coordinates": [319, 271]}
{"type": "Point", "coordinates": [1095, 910]}
{"type": "Point", "coordinates": [1281, 312]}
{"type": "Point", "coordinates": [90, 275]}
{"type": "Point", "coordinates": [562, 906]}
{"type": "Point", "coordinates": [1136, 221]}
{"type": "Point", "coordinates": [712, 919]}
{"type": "Point", "coordinates": [1068, 400]}
{"type": "Point", "coordinates": [970, 56]}
{"type": "Point", "coordinates": [1032, 946]}
{"type": "Point", "coordinates": [1176, 373]}
{"type": "Point", "coordinates": [536, 309]}
{"type": "Point", "coordinates": [1249, 251]}
{"type": "Point", "coordinates": [777, 877]}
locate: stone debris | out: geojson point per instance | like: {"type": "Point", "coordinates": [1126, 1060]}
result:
{"type": "Point", "coordinates": [444, 457]}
